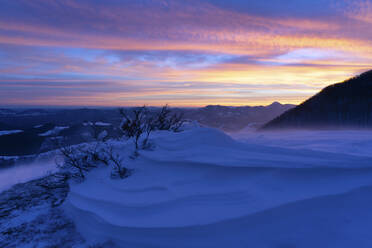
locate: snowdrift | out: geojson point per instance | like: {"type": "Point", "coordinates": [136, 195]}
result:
{"type": "Point", "coordinates": [201, 188]}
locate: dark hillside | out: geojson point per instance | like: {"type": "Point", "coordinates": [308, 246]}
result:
{"type": "Point", "coordinates": [342, 105]}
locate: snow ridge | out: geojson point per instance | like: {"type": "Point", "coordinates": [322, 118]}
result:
{"type": "Point", "coordinates": [201, 188]}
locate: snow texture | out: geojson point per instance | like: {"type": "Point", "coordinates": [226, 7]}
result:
{"type": "Point", "coordinates": [30, 216]}
{"type": "Point", "coordinates": [202, 188]}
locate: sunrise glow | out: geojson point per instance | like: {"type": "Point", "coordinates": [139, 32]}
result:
{"type": "Point", "coordinates": [185, 53]}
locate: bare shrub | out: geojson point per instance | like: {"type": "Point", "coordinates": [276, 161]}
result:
{"type": "Point", "coordinates": [134, 125]}
{"type": "Point", "coordinates": [141, 121]}
{"type": "Point", "coordinates": [118, 170]}
{"type": "Point", "coordinates": [149, 127]}
{"type": "Point", "coordinates": [176, 122]}
{"type": "Point", "coordinates": [79, 160]}
{"type": "Point", "coordinates": [76, 162]}
{"type": "Point", "coordinates": [95, 150]}
{"type": "Point", "coordinates": [161, 120]}
{"type": "Point", "coordinates": [165, 120]}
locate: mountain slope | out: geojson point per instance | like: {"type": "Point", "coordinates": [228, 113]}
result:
{"type": "Point", "coordinates": [342, 105]}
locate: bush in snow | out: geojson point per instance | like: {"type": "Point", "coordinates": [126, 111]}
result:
{"type": "Point", "coordinates": [95, 150]}
{"type": "Point", "coordinates": [76, 162]}
{"type": "Point", "coordinates": [149, 127]}
{"type": "Point", "coordinates": [134, 124]}
{"type": "Point", "coordinates": [140, 121]}
{"type": "Point", "coordinates": [80, 159]}
{"type": "Point", "coordinates": [118, 171]}
{"type": "Point", "coordinates": [165, 120]}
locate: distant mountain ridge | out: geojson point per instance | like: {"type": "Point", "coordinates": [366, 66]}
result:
{"type": "Point", "coordinates": [229, 118]}
{"type": "Point", "coordinates": [341, 105]}
{"type": "Point", "coordinates": [36, 125]}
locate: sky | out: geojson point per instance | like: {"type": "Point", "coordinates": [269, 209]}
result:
{"type": "Point", "coordinates": [178, 52]}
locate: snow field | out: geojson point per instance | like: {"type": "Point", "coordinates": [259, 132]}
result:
{"type": "Point", "coordinates": [202, 188]}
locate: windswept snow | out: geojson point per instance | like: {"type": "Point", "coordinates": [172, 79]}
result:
{"type": "Point", "coordinates": [202, 188]}
{"type": "Point", "coordinates": [25, 172]}
{"type": "Point", "coordinates": [53, 131]}
{"type": "Point", "coordinates": [351, 142]}
{"type": "Point", "coordinates": [7, 132]}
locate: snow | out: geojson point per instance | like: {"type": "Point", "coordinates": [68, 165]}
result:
{"type": "Point", "coordinates": [203, 188]}
{"type": "Point", "coordinates": [9, 157]}
{"type": "Point", "coordinates": [7, 132]}
{"type": "Point", "coordinates": [351, 142]}
{"type": "Point", "coordinates": [25, 172]}
{"type": "Point", "coordinates": [53, 131]}
{"type": "Point", "coordinates": [98, 123]}
{"type": "Point", "coordinates": [103, 124]}
{"type": "Point", "coordinates": [24, 217]}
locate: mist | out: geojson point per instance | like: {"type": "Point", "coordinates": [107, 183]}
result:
{"type": "Point", "coordinates": [352, 142]}
{"type": "Point", "coordinates": [25, 172]}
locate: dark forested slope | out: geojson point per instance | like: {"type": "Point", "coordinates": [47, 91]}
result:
{"type": "Point", "coordinates": [342, 105]}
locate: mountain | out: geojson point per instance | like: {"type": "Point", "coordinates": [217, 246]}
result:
{"type": "Point", "coordinates": [342, 105]}
{"type": "Point", "coordinates": [31, 131]}
{"type": "Point", "coordinates": [230, 118]}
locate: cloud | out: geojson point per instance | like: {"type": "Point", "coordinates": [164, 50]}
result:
{"type": "Point", "coordinates": [133, 48]}
{"type": "Point", "coordinates": [314, 56]}
{"type": "Point", "coordinates": [359, 10]}
{"type": "Point", "coordinates": [191, 25]}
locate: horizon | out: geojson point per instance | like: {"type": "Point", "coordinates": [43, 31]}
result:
{"type": "Point", "coordinates": [73, 54]}
{"type": "Point", "coordinates": [112, 107]}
